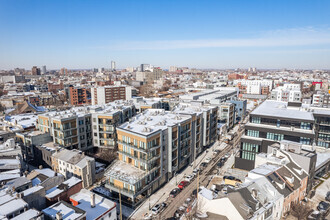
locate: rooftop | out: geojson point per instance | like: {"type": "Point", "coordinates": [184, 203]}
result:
{"type": "Point", "coordinates": [280, 109]}
{"type": "Point", "coordinates": [67, 210]}
{"type": "Point", "coordinates": [153, 120]}
{"type": "Point", "coordinates": [125, 172]}
{"type": "Point", "coordinates": [102, 204]}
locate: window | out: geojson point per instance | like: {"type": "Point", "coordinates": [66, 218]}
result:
{"type": "Point", "coordinates": [81, 122]}
{"type": "Point", "coordinates": [304, 140]}
{"type": "Point", "coordinates": [255, 120]}
{"type": "Point", "coordinates": [305, 125]}
{"type": "Point", "coordinates": [274, 136]}
{"type": "Point", "coordinates": [253, 133]}
{"type": "Point", "coordinates": [95, 134]}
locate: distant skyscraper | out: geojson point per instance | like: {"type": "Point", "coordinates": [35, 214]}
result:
{"type": "Point", "coordinates": [43, 70]}
{"type": "Point", "coordinates": [113, 65]}
{"type": "Point", "coordinates": [144, 67]}
{"type": "Point", "coordinates": [64, 71]}
{"type": "Point", "coordinates": [35, 70]}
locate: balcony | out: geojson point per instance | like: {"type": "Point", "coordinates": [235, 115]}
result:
{"type": "Point", "coordinates": [125, 192]}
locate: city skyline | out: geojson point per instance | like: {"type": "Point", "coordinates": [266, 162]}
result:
{"type": "Point", "coordinates": [220, 35]}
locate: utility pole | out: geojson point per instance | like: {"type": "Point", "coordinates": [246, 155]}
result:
{"type": "Point", "coordinates": [121, 215]}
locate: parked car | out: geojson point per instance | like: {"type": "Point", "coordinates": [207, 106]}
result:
{"type": "Point", "coordinates": [227, 155]}
{"type": "Point", "coordinates": [155, 210]}
{"type": "Point", "coordinates": [208, 160]}
{"type": "Point", "coordinates": [187, 202]}
{"type": "Point", "coordinates": [174, 192]}
{"type": "Point", "coordinates": [315, 215]}
{"type": "Point", "coordinates": [183, 184]}
{"type": "Point", "coordinates": [195, 171]}
{"type": "Point", "coordinates": [327, 197]}
{"type": "Point", "coordinates": [189, 178]}
{"type": "Point", "coordinates": [323, 206]}
{"type": "Point", "coordinates": [163, 205]}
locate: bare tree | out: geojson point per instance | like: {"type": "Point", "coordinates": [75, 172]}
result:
{"type": "Point", "coordinates": [300, 210]}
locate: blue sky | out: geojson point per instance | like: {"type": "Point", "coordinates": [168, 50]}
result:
{"type": "Point", "coordinates": [201, 34]}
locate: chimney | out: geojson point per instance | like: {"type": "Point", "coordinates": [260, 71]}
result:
{"type": "Point", "coordinates": [59, 216]}
{"type": "Point", "coordinates": [93, 200]}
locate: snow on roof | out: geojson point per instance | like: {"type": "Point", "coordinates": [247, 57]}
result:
{"type": "Point", "coordinates": [9, 164]}
{"type": "Point", "coordinates": [51, 193]}
{"type": "Point", "coordinates": [67, 211]}
{"type": "Point", "coordinates": [6, 198]}
{"type": "Point", "coordinates": [32, 190]}
{"type": "Point", "coordinates": [152, 120]}
{"type": "Point", "coordinates": [280, 109]}
{"type": "Point", "coordinates": [46, 171]}
{"type": "Point", "coordinates": [206, 193]}
{"type": "Point", "coordinates": [29, 214]}
{"type": "Point", "coordinates": [321, 159]}
{"type": "Point", "coordinates": [102, 204]}
{"type": "Point", "coordinates": [265, 169]}
{"type": "Point", "coordinates": [125, 172]}
{"type": "Point", "coordinates": [12, 206]}
{"type": "Point", "coordinates": [24, 120]}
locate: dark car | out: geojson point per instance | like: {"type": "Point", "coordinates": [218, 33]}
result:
{"type": "Point", "coordinates": [174, 192]}
{"type": "Point", "coordinates": [323, 206]}
{"type": "Point", "coordinates": [220, 164]}
{"type": "Point", "coordinates": [229, 177]}
{"type": "Point", "coordinates": [327, 197]}
{"type": "Point", "coordinates": [164, 204]}
{"type": "Point", "coordinates": [183, 184]}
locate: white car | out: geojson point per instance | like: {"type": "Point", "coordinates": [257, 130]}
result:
{"type": "Point", "coordinates": [155, 210]}
{"type": "Point", "coordinates": [189, 178]}
{"type": "Point", "coordinates": [207, 160]}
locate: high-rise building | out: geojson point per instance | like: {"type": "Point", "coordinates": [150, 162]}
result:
{"type": "Point", "coordinates": [35, 70]}
{"type": "Point", "coordinates": [43, 70]}
{"type": "Point", "coordinates": [113, 65]}
{"type": "Point", "coordinates": [144, 67]}
{"type": "Point", "coordinates": [79, 96]}
{"type": "Point", "coordinates": [106, 94]}
{"type": "Point", "coordinates": [64, 71]}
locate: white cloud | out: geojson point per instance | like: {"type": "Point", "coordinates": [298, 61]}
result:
{"type": "Point", "coordinates": [277, 38]}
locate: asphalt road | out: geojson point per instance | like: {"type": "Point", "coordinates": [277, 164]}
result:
{"type": "Point", "coordinates": [175, 203]}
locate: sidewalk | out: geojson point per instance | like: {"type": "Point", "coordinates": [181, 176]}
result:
{"type": "Point", "coordinates": [162, 194]}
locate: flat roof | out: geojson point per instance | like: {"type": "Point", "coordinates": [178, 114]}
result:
{"type": "Point", "coordinates": [153, 120]}
{"type": "Point", "coordinates": [102, 204]}
{"type": "Point", "coordinates": [280, 109]}
{"type": "Point", "coordinates": [67, 210]}
{"type": "Point", "coordinates": [125, 172]}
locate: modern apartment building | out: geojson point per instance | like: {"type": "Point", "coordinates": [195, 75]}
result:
{"type": "Point", "coordinates": [84, 127]}
{"type": "Point", "coordinates": [287, 93]}
{"type": "Point", "coordinates": [106, 119]}
{"type": "Point", "coordinates": [156, 144]}
{"type": "Point", "coordinates": [226, 114]}
{"type": "Point", "coordinates": [321, 99]}
{"type": "Point", "coordinates": [254, 86]}
{"type": "Point", "coordinates": [150, 75]}
{"type": "Point", "coordinates": [106, 94]}
{"type": "Point", "coordinates": [274, 121]}
{"type": "Point", "coordinates": [71, 129]}
{"type": "Point", "coordinates": [79, 96]}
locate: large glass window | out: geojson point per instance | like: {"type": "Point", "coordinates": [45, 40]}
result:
{"type": "Point", "coordinates": [253, 133]}
{"type": "Point", "coordinates": [255, 120]}
{"type": "Point", "coordinates": [305, 125]}
{"type": "Point", "coordinates": [274, 136]}
{"type": "Point", "coordinates": [304, 140]}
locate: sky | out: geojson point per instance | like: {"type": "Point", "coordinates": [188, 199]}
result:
{"type": "Point", "coordinates": [198, 34]}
